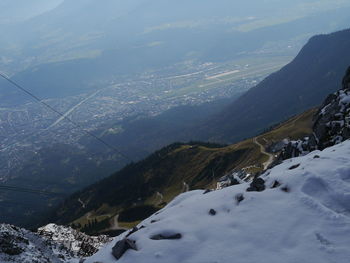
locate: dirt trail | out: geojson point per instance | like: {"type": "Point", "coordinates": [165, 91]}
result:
{"type": "Point", "coordinates": [263, 151]}
{"type": "Point", "coordinates": [115, 224]}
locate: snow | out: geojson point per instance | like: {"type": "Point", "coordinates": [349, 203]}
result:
{"type": "Point", "coordinates": [307, 222]}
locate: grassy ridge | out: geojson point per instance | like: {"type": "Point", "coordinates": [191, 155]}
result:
{"type": "Point", "coordinates": [150, 184]}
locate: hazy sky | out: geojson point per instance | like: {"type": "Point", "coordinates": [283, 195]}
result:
{"type": "Point", "coordinates": [18, 10]}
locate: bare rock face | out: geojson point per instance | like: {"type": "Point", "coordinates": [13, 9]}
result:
{"type": "Point", "coordinates": [20, 245]}
{"type": "Point", "coordinates": [166, 236]}
{"type": "Point", "coordinates": [80, 244]}
{"type": "Point", "coordinates": [331, 125]}
{"type": "Point", "coordinates": [122, 246]}
{"type": "Point", "coordinates": [257, 185]}
{"type": "Point", "coordinates": [51, 244]}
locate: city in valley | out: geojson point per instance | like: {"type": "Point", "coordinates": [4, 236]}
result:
{"type": "Point", "coordinates": [26, 128]}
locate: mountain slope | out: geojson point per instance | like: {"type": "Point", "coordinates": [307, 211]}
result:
{"type": "Point", "coordinates": [179, 167]}
{"type": "Point", "coordinates": [159, 178]}
{"type": "Point", "coordinates": [305, 219]}
{"type": "Point", "coordinates": [302, 84]}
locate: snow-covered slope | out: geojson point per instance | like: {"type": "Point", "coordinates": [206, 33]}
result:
{"type": "Point", "coordinates": [303, 215]}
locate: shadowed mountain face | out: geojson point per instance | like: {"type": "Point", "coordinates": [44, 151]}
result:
{"type": "Point", "coordinates": [300, 85]}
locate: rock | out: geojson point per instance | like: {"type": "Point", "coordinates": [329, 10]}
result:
{"type": "Point", "coordinates": [294, 166]}
{"type": "Point", "coordinates": [275, 184]}
{"type": "Point", "coordinates": [206, 191]}
{"type": "Point", "coordinates": [233, 178]}
{"type": "Point", "coordinates": [331, 124]}
{"type": "Point", "coordinates": [21, 245]}
{"type": "Point", "coordinates": [10, 248]}
{"type": "Point", "coordinates": [212, 212]}
{"type": "Point", "coordinates": [239, 198]}
{"type": "Point", "coordinates": [132, 231]}
{"type": "Point", "coordinates": [258, 185]}
{"type": "Point", "coordinates": [122, 246]}
{"type": "Point", "coordinates": [166, 236]}
{"type": "Point", "coordinates": [346, 80]}
{"type": "Point", "coordinates": [285, 189]}
{"type": "Point", "coordinates": [80, 244]}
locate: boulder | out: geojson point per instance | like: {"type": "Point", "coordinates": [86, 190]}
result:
{"type": "Point", "coordinates": [212, 212]}
{"type": "Point", "coordinates": [239, 198]}
{"type": "Point", "coordinates": [166, 236]}
{"type": "Point", "coordinates": [258, 185]}
{"type": "Point", "coordinates": [122, 246]}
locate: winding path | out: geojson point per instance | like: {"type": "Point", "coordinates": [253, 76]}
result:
{"type": "Point", "coordinates": [115, 224]}
{"type": "Point", "coordinates": [263, 151]}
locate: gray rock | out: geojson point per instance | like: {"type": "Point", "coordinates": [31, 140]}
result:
{"type": "Point", "coordinates": [258, 185]}
{"type": "Point", "coordinates": [331, 124]}
{"type": "Point", "coordinates": [212, 212]}
{"type": "Point", "coordinates": [166, 236]}
{"type": "Point", "coordinates": [122, 246]}
{"type": "Point", "coordinates": [239, 198]}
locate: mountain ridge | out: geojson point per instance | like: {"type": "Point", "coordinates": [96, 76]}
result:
{"type": "Point", "coordinates": [321, 63]}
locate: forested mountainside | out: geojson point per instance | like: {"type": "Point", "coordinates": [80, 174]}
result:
{"type": "Point", "coordinates": [143, 187]}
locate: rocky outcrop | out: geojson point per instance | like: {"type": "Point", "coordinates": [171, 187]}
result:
{"type": "Point", "coordinates": [257, 185]}
{"type": "Point", "coordinates": [20, 245]}
{"type": "Point", "coordinates": [80, 244]}
{"type": "Point", "coordinates": [331, 125]}
{"type": "Point", "coordinates": [51, 244]}
{"type": "Point", "coordinates": [236, 177]}
{"type": "Point", "coordinates": [122, 246]}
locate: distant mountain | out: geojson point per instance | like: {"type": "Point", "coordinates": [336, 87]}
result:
{"type": "Point", "coordinates": [300, 85]}
{"type": "Point", "coordinates": [80, 44]}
